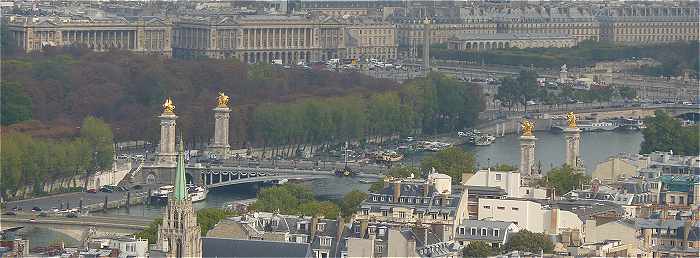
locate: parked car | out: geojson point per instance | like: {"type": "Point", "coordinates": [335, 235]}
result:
{"type": "Point", "coordinates": [43, 214]}
{"type": "Point", "coordinates": [71, 215]}
{"type": "Point", "coordinates": [92, 190]}
{"type": "Point", "coordinates": [36, 208]}
{"type": "Point", "coordinates": [106, 190]}
{"type": "Point", "coordinates": [10, 213]}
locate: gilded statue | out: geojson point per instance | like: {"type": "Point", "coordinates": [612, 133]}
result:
{"type": "Point", "coordinates": [571, 119]}
{"type": "Point", "coordinates": [527, 127]}
{"type": "Point", "coordinates": [222, 100]}
{"type": "Point", "coordinates": [168, 106]}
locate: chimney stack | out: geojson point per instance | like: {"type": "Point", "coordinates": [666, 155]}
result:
{"type": "Point", "coordinates": [363, 228]}
{"type": "Point", "coordinates": [397, 191]}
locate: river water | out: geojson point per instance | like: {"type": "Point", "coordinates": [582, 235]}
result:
{"type": "Point", "coordinates": [595, 148]}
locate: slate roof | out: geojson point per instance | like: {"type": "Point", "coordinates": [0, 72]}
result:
{"type": "Point", "coordinates": [223, 247]}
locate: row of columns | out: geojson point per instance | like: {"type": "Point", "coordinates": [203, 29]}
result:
{"type": "Point", "coordinates": [265, 38]}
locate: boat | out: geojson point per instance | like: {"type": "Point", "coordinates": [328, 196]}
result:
{"type": "Point", "coordinates": [483, 140]}
{"type": "Point", "coordinates": [390, 156]}
{"type": "Point", "coordinates": [161, 195]}
{"type": "Point", "coordinates": [195, 192]}
{"type": "Point", "coordinates": [590, 126]}
{"type": "Point", "coordinates": [630, 124]}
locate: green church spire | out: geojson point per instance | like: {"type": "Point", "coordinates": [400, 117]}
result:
{"type": "Point", "coordinates": [180, 182]}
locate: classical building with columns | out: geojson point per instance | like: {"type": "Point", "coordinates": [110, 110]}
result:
{"type": "Point", "coordinates": [260, 38]}
{"type": "Point", "coordinates": [147, 35]}
{"type": "Point", "coordinates": [578, 22]}
{"type": "Point", "coordinates": [510, 40]}
{"type": "Point", "coordinates": [649, 23]}
{"type": "Point", "coordinates": [370, 38]}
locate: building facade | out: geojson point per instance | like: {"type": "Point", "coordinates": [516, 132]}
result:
{"type": "Point", "coordinates": [477, 42]}
{"type": "Point", "coordinates": [369, 38]}
{"type": "Point", "coordinates": [147, 35]}
{"type": "Point", "coordinates": [648, 24]}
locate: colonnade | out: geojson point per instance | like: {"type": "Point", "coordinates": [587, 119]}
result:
{"type": "Point", "coordinates": [266, 38]}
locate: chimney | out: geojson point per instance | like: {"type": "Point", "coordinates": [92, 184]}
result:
{"type": "Point", "coordinates": [554, 221]}
{"type": "Point", "coordinates": [397, 191]}
{"type": "Point", "coordinates": [426, 189]}
{"type": "Point", "coordinates": [363, 228]}
{"type": "Point", "coordinates": [312, 228]}
{"type": "Point", "coordinates": [686, 231]}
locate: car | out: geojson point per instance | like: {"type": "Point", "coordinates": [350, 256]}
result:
{"type": "Point", "coordinates": [10, 213]}
{"type": "Point", "coordinates": [36, 208]}
{"type": "Point", "coordinates": [71, 215]}
{"type": "Point", "coordinates": [17, 208]}
{"type": "Point", "coordinates": [106, 190]}
{"type": "Point", "coordinates": [93, 190]}
{"type": "Point", "coordinates": [43, 214]}
{"type": "Point", "coordinates": [32, 220]}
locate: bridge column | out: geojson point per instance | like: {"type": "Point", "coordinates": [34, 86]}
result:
{"type": "Point", "coordinates": [573, 139]}
{"type": "Point", "coordinates": [527, 154]}
{"type": "Point", "coordinates": [166, 153]}
{"type": "Point", "coordinates": [221, 146]}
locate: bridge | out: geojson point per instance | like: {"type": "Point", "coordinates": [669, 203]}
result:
{"type": "Point", "coordinates": [233, 172]}
{"type": "Point", "coordinates": [222, 176]}
{"type": "Point", "coordinates": [75, 227]}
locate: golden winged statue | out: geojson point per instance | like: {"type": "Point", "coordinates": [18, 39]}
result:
{"type": "Point", "coordinates": [571, 119]}
{"type": "Point", "coordinates": [168, 106]}
{"type": "Point", "coordinates": [527, 127]}
{"type": "Point", "coordinates": [222, 100]}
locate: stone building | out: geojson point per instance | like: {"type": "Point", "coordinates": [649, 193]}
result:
{"type": "Point", "coordinates": [648, 23]}
{"type": "Point", "coordinates": [260, 38]}
{"type": "Point", "coordinates": [370, 38]}
{"type": "Point", "coordinates": [510, 40]}
{"type": "Point", "coordinates": [577, 22]}
{"type": "Point", "coordinates": [147, 35]}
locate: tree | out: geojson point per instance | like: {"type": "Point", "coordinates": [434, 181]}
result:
{"type": "Point", "coordinates": [16, 106]}
{"type": "Point", "coordinates": [150, 232]}
{"type": "Point", "coordinates": [478, 249]}
{"type": "Point", "coordinates": [526, 241]}
{"type": "Point", "coordinates": [207, 218]}
{"type": "Point", "coordinates": [99, 135]}
{"type": "Point", "coordinates": [403, 172]}
{"type": "Point", "coordinates": [664, 133]}
{"type": "Point", "coordinates": [451, 161]}
{"type": "Point", "coordinates": [351, 202]}
{"type": "Point", "coordinates": [564, 179]}
{"type": "Point", "coordinates": [508, 92]}
{"type": "Point", "coordinates": [627, 92]}
{"type": "Point", "coordinates": [376, 186]}
{"type": "Point", "coordinates": [293, 199]}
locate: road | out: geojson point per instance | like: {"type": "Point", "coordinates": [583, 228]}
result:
{"type": "Point", "coordinates": [70, 200]}
{"type": "Point", "coordinates": [56, 218]}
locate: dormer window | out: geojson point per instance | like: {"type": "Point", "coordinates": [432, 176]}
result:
{"type": "Point", "coordinates": [320, 226]}
{"type": "Point", "coordinates": [484, 232]}
{"type": "Point", "coordinates": [326, 241]}
{"type": "Point", "coordinates": [374, 198]}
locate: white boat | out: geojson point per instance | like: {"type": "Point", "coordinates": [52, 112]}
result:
{"type": "Point", "coordinates": [483, 140]}
{"type": "Point", "coordinates": [162, 193]}
{"type": "Point", "coordinates": [197, 193]}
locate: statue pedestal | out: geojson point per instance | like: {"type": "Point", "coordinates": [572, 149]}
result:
{"type": "Point", "coordinates": [220, 145]}
{"type": "Point", "coordinates": [527, 154]}
{"type": "Point", "coordinates": [167, 155]}
{"type": "Point", "coordinates": [573, 140]}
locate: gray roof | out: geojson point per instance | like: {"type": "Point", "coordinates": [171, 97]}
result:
{"type": "Point", "coordinates": [223, 247]}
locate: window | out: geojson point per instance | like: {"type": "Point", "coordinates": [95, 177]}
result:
{"type": "Point", "coordinates": [472, 231]}
{"type": "Point", "coordinates": [487, 207]}
{"type": "Point", "coordinates": [445, 216]}
{"type": "Point", "coordinates": [461, 230]}
{"type": "Point", "coordinates": [320, 226]}
{"type": "Point", "coordinates": [402, 214]}
{"type": "Point", "coordinates": [501, 208]}
{"type": "Point", "coordinates": [484, 232]}
{"type": "Point", "coordinates": [382, 199]}
{"type": "Point", "coordinates": [379, 249]}
{"type": "Point", "coordinates": [496, 232]}
{"type": "Point", "coordinates": [515, 208]}
{"type": "Point", "coordinates": [498, 177]}
{"type": "Point", "coordinates": [374, 198]}
{"type": "Point", "coordinates": [326, 241]}
{"type": "Point", "coordinates": [385, 213]}
{"type": "Point", "coordinates": [365, 212]}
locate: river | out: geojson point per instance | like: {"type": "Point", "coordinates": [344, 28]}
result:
{"type": "Point", "coordinates": [595, 147]}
